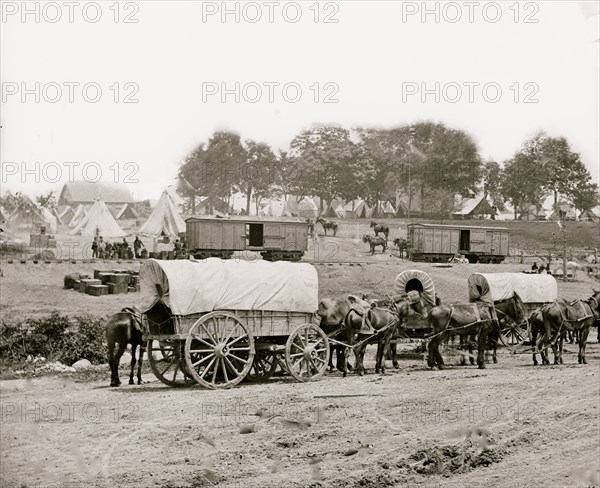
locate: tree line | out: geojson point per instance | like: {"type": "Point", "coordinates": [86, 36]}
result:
{"type": "Point", "coordinates": [428, 161]}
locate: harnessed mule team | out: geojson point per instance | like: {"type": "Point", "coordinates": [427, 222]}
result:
{"type": "Point", "coordinates": [414, 311]}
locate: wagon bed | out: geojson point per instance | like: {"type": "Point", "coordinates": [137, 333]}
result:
{"type": "Point", "coordinates": [214, 322]}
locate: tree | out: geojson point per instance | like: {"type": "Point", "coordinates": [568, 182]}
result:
{"type": "Point", "coordinates": [324, 159]}
{"type": "Point", "coordinates": [214, 169]}
{"type": "Point", "coordinates": [586, 196]}
{"type": "Point", "coordinates": [523, 178]}
{"type": "Point", "coordinates": [492, 183]}
{"type": "Point", "coordinates": [47, 201]}
{"type": "Point", "coordinates": [257, 173]}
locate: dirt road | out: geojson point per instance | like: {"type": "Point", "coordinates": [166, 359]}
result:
{"type": "Point", "coordinates": [511, 425]}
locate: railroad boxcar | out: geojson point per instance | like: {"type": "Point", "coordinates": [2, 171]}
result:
{"type": "Point", "coordinates": [439, 243]}
{"type": "Point", "coordinates": [276, 240]}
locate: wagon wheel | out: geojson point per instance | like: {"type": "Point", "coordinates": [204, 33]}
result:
{"type": "Point", "coordinates": [512, 334]}
{"type": "Point", "coordinates": [170, 368]}
{"type": "Point", "coordinates": [219, 350]}
{"type": "Point", "coordinates": [307, 352]}
{"type": "Point", "coordinates": [264, 365]}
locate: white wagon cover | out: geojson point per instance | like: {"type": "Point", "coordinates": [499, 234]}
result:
{"type": "Point", "coordinates": [401, 282]}
{"type": "Point", "coordinates": [532, 288]}
{"type": "Point", "coordinates": [214, 284]}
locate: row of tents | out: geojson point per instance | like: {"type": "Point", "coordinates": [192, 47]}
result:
{"type": "Point", "coordinates": [308, 207]}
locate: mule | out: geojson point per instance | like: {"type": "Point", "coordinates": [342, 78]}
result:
{"type": "Point", "coordinates": [375, 241]}
{"type": "Point", "coordinates": [328, 225]}
{"type": "Point", "coordinates": [377, 228]}
{"type": "Point", "coordinates": [345, 315]}
{"type": "Point", "coordinates": [478, 318]}
{"type": "Point", "coordinates": [124, 328]}
{"type": "Point", "coordinates": [402, 246]}
{"type": "Point", "coordinates": [562, 316]}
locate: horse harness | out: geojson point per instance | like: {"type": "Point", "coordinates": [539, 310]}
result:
{"type": "Point", "coordinates": [137, 317]}
{"type": "Point", "coordinates": [493, 318]}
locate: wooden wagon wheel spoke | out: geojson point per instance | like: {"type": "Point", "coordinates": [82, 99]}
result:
{"type": "Point", "coordinates": [171, 356]}
{"type": "Point", "coordinates": [207, 369]}
{"type": "Point", "coordinates": [231, 333]}
{"type": "Point", "coordinates": [225, 330]}
{"type": "Point", "coordinates": [199, 338]}
{"type": "Point", "coordinates": [206, 358]}
{"type": "Point", "coordinates": [307, 352]}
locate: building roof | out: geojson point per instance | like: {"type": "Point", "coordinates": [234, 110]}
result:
{"type": "Point", "coordinates": [457, 226]}
{"type": "Point", "coordinates": [469, 205]}
{"type": "Point", "coordinates": [89, 192]}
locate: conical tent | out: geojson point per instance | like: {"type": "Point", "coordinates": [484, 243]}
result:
{"type": "Point", "coordinates": [78, 217]}
{"type": "Point", "coordinates": [308, 208]}
{"type": "Point", "coordinates": [127, 212]}
{"type": "Point", "coordinates": [164, 219]}
{"type": "Point", "coordinates": [99, 221]}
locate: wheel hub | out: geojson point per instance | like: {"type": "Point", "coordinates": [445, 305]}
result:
{"type": "Point", "coordinates": [221, 350]}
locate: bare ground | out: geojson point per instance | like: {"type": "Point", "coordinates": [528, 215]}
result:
{"type": "Point", "coordinates": [511, 425]}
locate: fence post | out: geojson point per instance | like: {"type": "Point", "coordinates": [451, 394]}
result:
{"type": "Point", "coordinates": [521, 254]}
{"type": "Point", "coordinates": [596, 255]}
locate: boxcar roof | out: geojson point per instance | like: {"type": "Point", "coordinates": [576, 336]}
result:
{"type": "Point", "coordinates": [458, 226]}
{"type": "Point", "coordinates": [251, 219]}
{"type": "Point", "coordinates": [190, 286]}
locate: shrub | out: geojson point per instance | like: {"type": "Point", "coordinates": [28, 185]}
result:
{"type": "Point", "coordinates": [56, 337]}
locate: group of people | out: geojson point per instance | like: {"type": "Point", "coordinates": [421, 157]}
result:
{"type": "Point", "coordinates": [118, 250]}
{"type": "Point", "coordinates": [542, 269]}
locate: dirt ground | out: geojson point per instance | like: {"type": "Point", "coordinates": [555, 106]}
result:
{"type": "Point", "coordinates": [510, 425]}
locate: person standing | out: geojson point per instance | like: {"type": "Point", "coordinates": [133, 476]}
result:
{"type": "Point", "coordinates": [95, 247]}
{"type": "Point", "coordinates": [137, 246]}
{"type": "Point", "coordinates": [101, 248]}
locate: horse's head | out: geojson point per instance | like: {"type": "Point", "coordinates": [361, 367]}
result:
{"type": "Point", "coordinates": [594, 302]}
{"type": "Point", "coordinates": [373, 224]}
{"type": "Point", "coordinates": [366, 238]}
{"type": "Point", "coordinates": [519, 308]}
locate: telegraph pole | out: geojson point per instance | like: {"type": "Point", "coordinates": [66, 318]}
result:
{"type": "Point", "coordinates": [564, 235]}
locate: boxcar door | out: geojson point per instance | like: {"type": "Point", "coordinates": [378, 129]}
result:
{"type": "Point", "coordinates": [478, 241]}
{"type": "Point", "coordinates": [254, 236]}
{"type": "Point", "coordinates": [274, 235]}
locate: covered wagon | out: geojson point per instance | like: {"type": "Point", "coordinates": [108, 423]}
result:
{"type": "Point", "coordinates": [214, 322]}
{"type": "Point", "coordinates": [535, 290]}
{"type": "Point", "coordinates": [416, 326]}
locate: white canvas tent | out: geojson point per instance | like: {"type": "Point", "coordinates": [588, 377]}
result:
{"type": "Point", "coordinates": [127, 212]}
{"type": "Point", "coordinates": [308, 208]}
{"type": "Point", "coordinates": [358, 209]}
{"type": "Point", "coordinates": [99, 221]}
{"type": "Point", "coordinates": [78, 217]}
{"type": "Point", "coordinates": [164, 219]}
{"type": "Point", "coordinates": [50, 219]}
{"type": "Point", "coordinates": [384, 209]}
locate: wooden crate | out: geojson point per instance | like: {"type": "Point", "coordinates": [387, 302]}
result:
{"type": "Point", "coordinates": [97, 290]}
{"type": "Point", "coordinates": [86, 283]}
{"type": "Point", "coordinates": [120, 278]}
{"type": "Point", "coordinates": [117, 288]}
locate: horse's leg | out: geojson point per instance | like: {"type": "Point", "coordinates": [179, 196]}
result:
{"type": "Point", "coordinates": [470, 340]}
{"type": "Point", "coordinates": [534, 343]}
{"type": "Point", "coordinates": [142, 351]}
{"type": "Point", "coordinates": [431, 353]}
{"type": "Point", "coordinates": [133, 349]}
{"type": "Point", "coordinates": [583, 335]}
{"type": "Point", "coordinates": [116, 360]}
{"type": "Point", "coordinates": [332, 349]}
{"type": "Point", "coordinates": [438, 356]}
{"type": "Point", "coordinates": [114, 375]}
{"type": "Point", "coordinates": [481, 343]}
{"type": "Point", "coordinates": [394, 352]}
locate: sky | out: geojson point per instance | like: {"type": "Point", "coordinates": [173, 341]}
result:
{"type": "Point", "coordinates": [160, 78]}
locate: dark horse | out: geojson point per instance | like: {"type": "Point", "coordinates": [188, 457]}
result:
{"type": "Point", "coordinates": [377, 228]}
{"type": "Point", "coordinates": [386, 323]}
{"type": "Point", "coordinates": [562, 316]}
{"type": "Point", "coordinates": [124, 328]}
{"type": "Point", "coordinates": [328, 225]}
{"type": "Point", "coordinates": [402, 246]}
{"type": "Point", "coordinates": [478, 318]}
